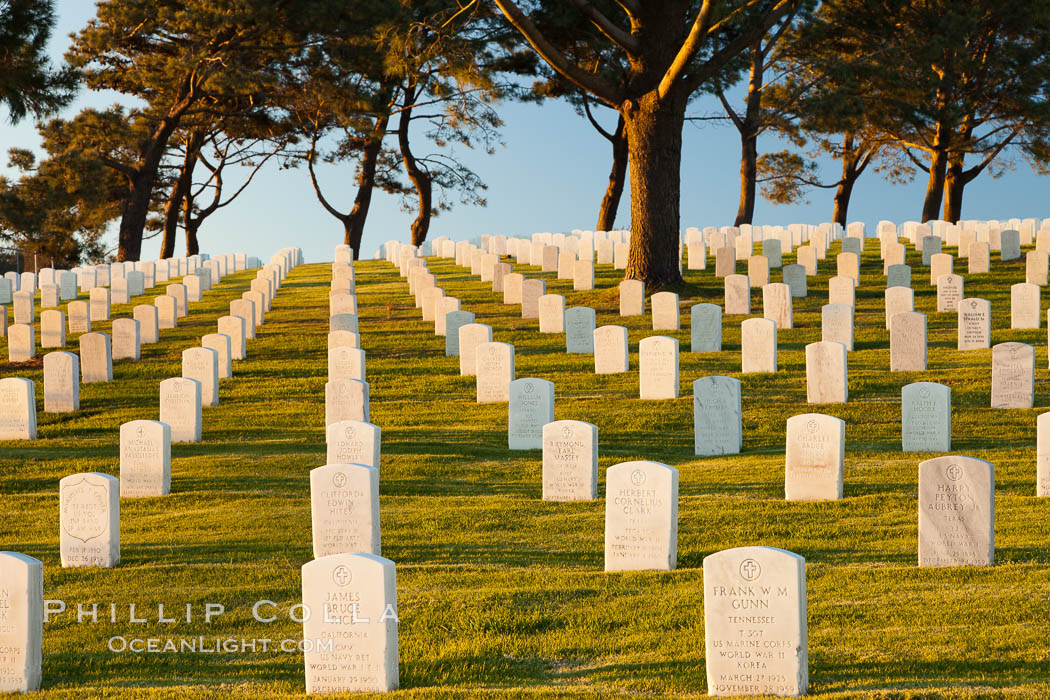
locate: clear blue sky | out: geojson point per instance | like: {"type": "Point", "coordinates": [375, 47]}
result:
{"type": "Point", "coordinates": [550, 176]}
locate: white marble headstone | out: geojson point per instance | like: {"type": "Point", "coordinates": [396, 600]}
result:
{"type": "Point", "coordinates": [89, 520]}
{"type": "Point", "coordinates": [641, 516]}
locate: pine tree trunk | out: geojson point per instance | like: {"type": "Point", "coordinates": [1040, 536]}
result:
{"type": "Point", "coordinates": [749, 128]}
{"type": "Point", "coordinates": [140, 189]}
{"type": "Point", "coordinates": [133, 217]}
{"type": "Point", "coordinates": [931, 207]}
{"type": "Point", "coordinates": [654, 139]}
{"type": "Point", "coordinates": [954, 184]}
{"type": "Point", "coordinates": [192, 246]}
{"type": "Point", "coordinates": [617, 179]}
{"type": "Point", "coordinates": [850, 173]}
{"type": "Point", "coordinates": [172, 210]}
{"type": "Point", "coordinates": [419, 177]}
{"type": "Point", "coordinates": [841, 207]}
{"type": "Point", "coordinates": [179, 193]}
{"type": "Point", "coordinates": [745, 212]}
{"type": "Point", "coordinates": [354, 225]}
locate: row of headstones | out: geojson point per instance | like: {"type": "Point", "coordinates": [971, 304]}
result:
{"type": "Point", "coordinates": [148, 454]}
{"type": "Point", "coordinates": [351, 598]}
{"type": "Point", "coordinates": [89, 503]}
{"type": "Point", "coordinates": [143, 327]}
{"type": "Point", "coordinates": [353, 595]}
{"type": "Point", "coordinates": [64, 371]}
{"type": "Point", "coordinates": [925, 421]}
{"type": "Point", "coordinates": [347, 389]}
{"type": "Point", "coordinates": [348, 579]}
{"type": "Point", "coordinates": [125, 280]}
{"type": "Point", "coordinates": [120, 275]}
{"type": "Point", "coordinates": [180, 401]}
{"type": "Point", "coordinates": [759, 336]}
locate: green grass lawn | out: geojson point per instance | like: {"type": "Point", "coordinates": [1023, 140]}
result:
{"type": "Point", "coordinates": [500, 593]}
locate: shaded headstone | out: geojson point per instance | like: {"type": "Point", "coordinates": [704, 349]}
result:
{"type": "Point", "coordinates": [717, 417]}
{"type": "Point", "coordinates": [705, 328]}
{"type": "Point", "coordinates": [794, 277]}
{"type": "Point", "coordinates": [771, 251]}
{"type": "Point", "coordinates": [1009, 245]}
{"type": "Point", "coordinates": [926, 417]}
{"type": "Point", "coordinates": [529, 408]}
{"type": "Point", "coordinates": [956, 512]}
{"type": "Point", "coordinates": [454, 320]}
{"type": "Point", "coordinates": [346, 363]}
{"type": "Point", "coordinates": [579, 330]}
{"type": "Point", "coordinates": [930, 246]}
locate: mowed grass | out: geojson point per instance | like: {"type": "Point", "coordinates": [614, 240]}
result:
{"type": "Point", "coordinates": [500, 593]}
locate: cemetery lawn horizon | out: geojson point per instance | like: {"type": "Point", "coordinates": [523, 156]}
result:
{"type": "Point", "coordinates": [499, 592]}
